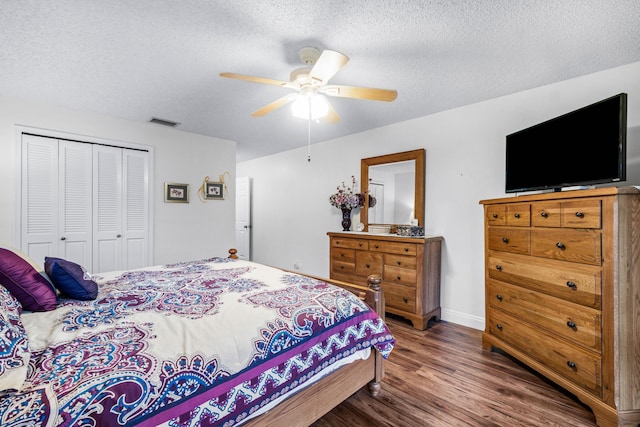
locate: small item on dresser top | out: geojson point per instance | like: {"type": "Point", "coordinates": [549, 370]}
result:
{"type": "Point", "coordinates": [379, 229]}
{"type": "Point", "coordinates": [360, 227]}
{"type": "Point", "coordinates": [410, 231]}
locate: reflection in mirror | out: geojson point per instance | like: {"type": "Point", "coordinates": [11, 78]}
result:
{"type": "Point", "coordinates": [392, 185]}
{"type": "Point", "coordinates": [396, 181]}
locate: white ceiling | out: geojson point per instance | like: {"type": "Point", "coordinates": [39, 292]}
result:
{"type": "Point", "coordinates": [143, 58]}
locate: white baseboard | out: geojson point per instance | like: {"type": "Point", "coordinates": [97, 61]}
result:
{"type": "Point", "coordinates": [463, 319]}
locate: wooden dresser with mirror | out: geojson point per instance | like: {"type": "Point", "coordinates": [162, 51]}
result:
{"type": "Point", "coordinates": [409, 266]}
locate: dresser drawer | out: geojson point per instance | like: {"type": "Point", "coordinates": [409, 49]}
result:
{"type": "Point", "coordinates": [512, 240]}
{"type": "Point", "coordinates": [581, 367]}
{"type": "Point", "coordinates": [518, 215]}
{"type": "Point", "coordinates": [399, 296]}
{"type": "Point", "coordinates": [344, 255]}
{"type": "Point", "coordinates": [581, 284]}
{"type": "Point", "coordinates": [339, 267]}
{"type": "Point", "coordinates": [350, 243]}
{"type": "Point", "coordinates": [495, 214]}
{"type": "Point", "coordinates": [400, 261]}
{"type": "Point", "coordinates": [579, 324]}
{"type": "Point", "coordinates": [582, 214]}
{"type": "Point", "coordinates": [545, 214]}
{"type": "Point", "coordinates": [368, 263]}
{"type": "Point", "coordinates": [399, 275]}
{"type": "Point", "coordinates": [582, 246]}
{"type": "Point", "coordinates": [394, 248]}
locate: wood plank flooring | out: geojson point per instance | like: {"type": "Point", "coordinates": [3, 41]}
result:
{"type": "Point", "coordinates": [443, 377]}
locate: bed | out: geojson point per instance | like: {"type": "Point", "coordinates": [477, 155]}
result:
{"type": "Point", "coordinates": [216, 341]}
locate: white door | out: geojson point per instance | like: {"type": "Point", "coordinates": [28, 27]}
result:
{"type": "Point", "coordinates": [39, 198]}
{"type": "Point", "coordinates": [243, 217]}
{"type": "Point", "coordinates": [107, 208]}
{"type": "Point", "coordinates": [75, 172]}
{"type": "Point", "coordinates": [135, 225]}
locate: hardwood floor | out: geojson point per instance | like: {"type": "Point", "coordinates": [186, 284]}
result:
{"type": "Point", "coordinates": [443, 377]}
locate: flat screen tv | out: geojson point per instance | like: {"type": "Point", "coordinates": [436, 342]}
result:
{"type": "Point", "coordinates": [584, 147]}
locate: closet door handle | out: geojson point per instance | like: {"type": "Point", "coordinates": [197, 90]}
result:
{"type": "Point", "coordinates": [119, 236]}
{"type": "Point", "coordinates": [63, 238]}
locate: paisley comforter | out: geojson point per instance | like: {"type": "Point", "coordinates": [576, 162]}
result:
{"type": "Point", "coordinates": [200, 343]}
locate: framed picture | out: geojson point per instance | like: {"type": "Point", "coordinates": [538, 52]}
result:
{"type": "Point", "coordinates": [176, 193]}
{"type": "Point", "coordinates": [214, 190]}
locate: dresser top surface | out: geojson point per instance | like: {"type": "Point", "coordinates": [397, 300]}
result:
{"type": "Point", "coordinates": [596, 192]}
{"type": "Point", "coordinates": [390, 237]}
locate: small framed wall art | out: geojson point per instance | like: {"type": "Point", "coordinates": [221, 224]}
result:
{"type": "Point", "coordinates": [214, 190]}
{"type": "Point", "coordinates": [176, 193]}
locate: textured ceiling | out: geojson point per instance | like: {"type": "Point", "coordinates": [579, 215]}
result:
{"type": "Point", "coordinates": [144, 58]}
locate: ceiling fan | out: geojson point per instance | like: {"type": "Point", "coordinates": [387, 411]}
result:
{"type": "Point", "coordinates": [311, 80]}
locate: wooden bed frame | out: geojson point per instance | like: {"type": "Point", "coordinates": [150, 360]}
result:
{"type": "Point", "coordinates": [311, 403]}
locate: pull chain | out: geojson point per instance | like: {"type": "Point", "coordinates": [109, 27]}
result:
{"type": "Point", "coordinates": [309, 132]}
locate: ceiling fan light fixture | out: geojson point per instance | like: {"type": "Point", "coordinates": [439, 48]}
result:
{"type": "Point", "coordinates": [318, 105]}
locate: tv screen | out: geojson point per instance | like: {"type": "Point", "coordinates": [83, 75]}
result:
{"type": "Point", "coordinates": [583, 147]}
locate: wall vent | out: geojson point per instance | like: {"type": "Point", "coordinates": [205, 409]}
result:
{"type": "Point", "coordinates": [164, 122]}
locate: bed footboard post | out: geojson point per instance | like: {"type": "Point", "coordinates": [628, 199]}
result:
{"type": "Point", "coordinates": [374, 284]}
{"type": "Point", "coordinates": [232, 253]}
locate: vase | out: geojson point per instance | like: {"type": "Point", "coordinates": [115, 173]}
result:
{"type": "Point", "coordinates": [346, 219]}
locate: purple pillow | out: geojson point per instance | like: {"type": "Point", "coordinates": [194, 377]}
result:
{"type": "Point", "coordinates": [21, 277]}
{"type": "Point", "coordinates": [14, 343]}
{"type": "Point", "coordinates": [70, 279]}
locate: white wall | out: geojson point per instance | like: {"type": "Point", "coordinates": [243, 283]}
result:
{"type": "Point", "coordinates": [464, 164]}
{"type": "Point", "coordinates": [180, 231]}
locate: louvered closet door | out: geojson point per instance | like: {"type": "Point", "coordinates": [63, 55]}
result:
{"type": "Point", "coordinates": [75, 176]}
{"type": "Point", "coordinates": [136, 209]}
{"type": "Point", "coordinates": [107, 208]}
{"type": "Point", "coordinates": [39, 201]}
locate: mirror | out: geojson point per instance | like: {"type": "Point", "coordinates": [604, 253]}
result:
{"type": "Point", "coordinates": [397, 183]}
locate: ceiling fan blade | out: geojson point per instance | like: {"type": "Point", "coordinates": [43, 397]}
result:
{"type": "Point", "coordinates": [332, 116]}
{"type": "Point", "coordinates": [328, 64]}
{"type": "Point", "coordinates": [372, 94]}
{"type": "Point", "coordinates": [255, 79]}
{"type": "Point", "coordinates": [274, 105]}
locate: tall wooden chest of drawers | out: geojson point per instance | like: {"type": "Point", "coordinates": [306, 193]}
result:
{"type": "Point", "coordinates": [409, 267]}
{"type": "Point", "coordinates": [562, 280]}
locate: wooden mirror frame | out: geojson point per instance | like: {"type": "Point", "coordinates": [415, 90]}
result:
{"type": "Point", "coordinates": [418, 200]}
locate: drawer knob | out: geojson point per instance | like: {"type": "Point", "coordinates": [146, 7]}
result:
{"type": "Point", "coordinates": [405, 299]}
{"type": "Point", "coordinates": [367, 265]}
{"type": "Point", "coordinates": [499, 326]}
{"type": "Point", "coordinates": [406, 249]}
{"type": "Point", "coordinates": [561, 246]}
{"type": "Point", "coordinates": [571, 364]}
{"type": "Point", "coordinates": [399, 263]}
{"type": "Point", "coordinates": [499, 267]}
{"type": "Point", "coordinates": [572, 285]}
{"type": "Point", "coordinates": [499, 297]}
{"type": "Point", "coordinates": [360, 244]}
{"type": "Point", "coordinates": [495, 215]}
{"type": "Point", "coordinates": [543, 214]}
{"type": "Point", "coordinates": [398, 278]}
{"type": "Point", "coordinates": [579, 214]}
{"type": "Point", "coordinates": [571, 324]}
{"type": "Point", "coordinates": [377, 246]}
{"type": "Point", "coordinates": [342, 254]}
{"type": "Point", "coordinates": [517, 215]}
{"type": "Point", "coordinates": [505, 240]}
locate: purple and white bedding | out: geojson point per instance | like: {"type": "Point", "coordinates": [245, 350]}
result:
{"type": "Point", "coordinates": [209, 342]}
